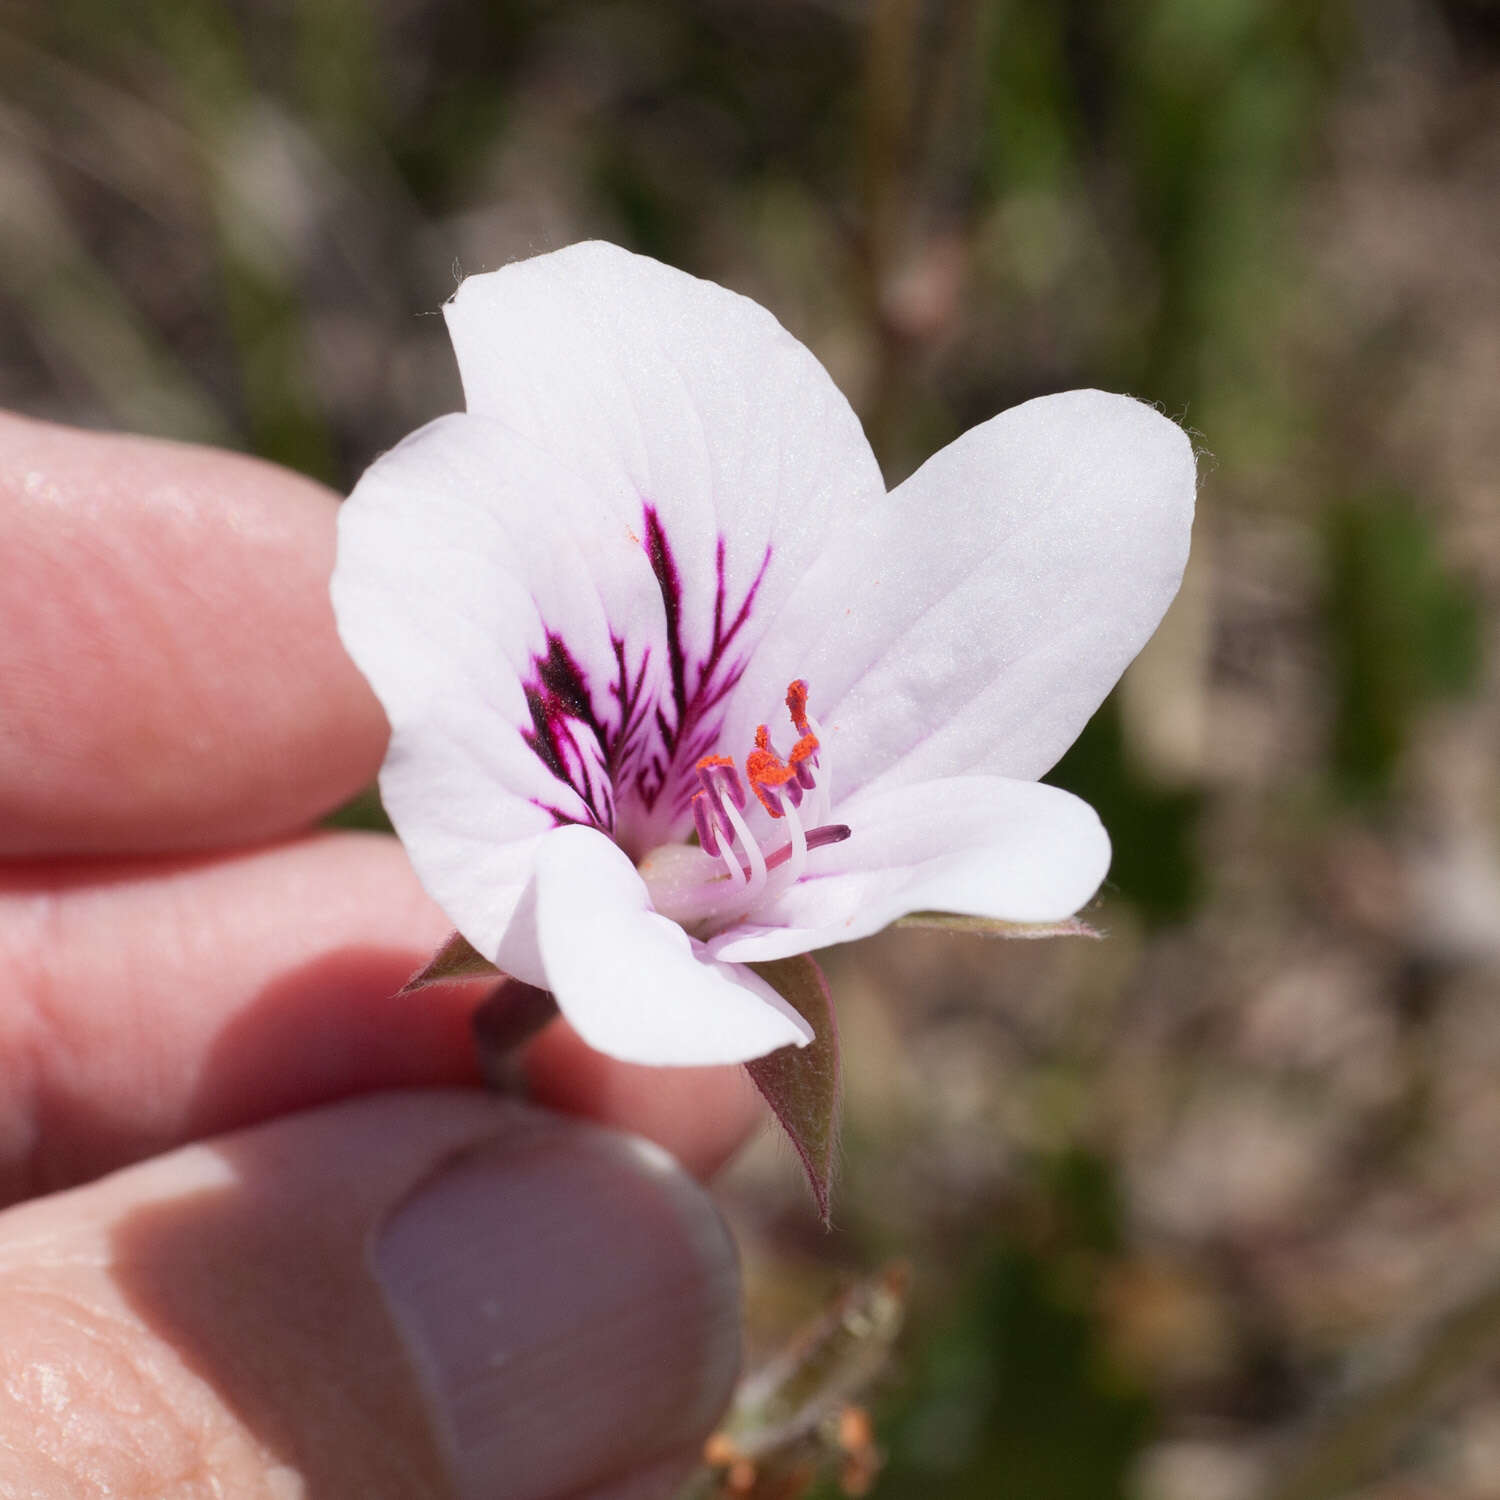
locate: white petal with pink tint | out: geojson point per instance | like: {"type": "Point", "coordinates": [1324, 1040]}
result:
{"type": "Point", "coordinates": [980, 846]}
{"type": "Point", "coordinates": [631, 982]}
{"type": "Point", "coordinates": [459, 552]}
{"type": "Point", "coordinates": [578, 601]}
{"type": "Point", "coordinates": [974, 619]}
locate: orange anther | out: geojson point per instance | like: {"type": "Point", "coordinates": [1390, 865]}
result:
{"type": "Point", "coordinates": [709, 761]}
{"type": "Point", "coordinates": [762, 767]}
{"type": "Point", "coordinates": [796, 702]}
{"type": "Point", "coordinates": [765, 769]}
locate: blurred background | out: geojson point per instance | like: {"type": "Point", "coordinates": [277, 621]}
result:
{"type": "Point", "coordinates": [1206, 1211]}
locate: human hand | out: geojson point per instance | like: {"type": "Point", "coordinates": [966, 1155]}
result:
{"type": "Point", "coordinates": [374, 1280]}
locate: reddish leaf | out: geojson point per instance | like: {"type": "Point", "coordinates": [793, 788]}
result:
{"type": "Point", "coordinates": [801, 1084]}
{"type": "Point", "coordinates": [456, 959]}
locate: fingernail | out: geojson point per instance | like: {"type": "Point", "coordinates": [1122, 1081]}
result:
{"type": "Point", "coordinates": [571, 1301]}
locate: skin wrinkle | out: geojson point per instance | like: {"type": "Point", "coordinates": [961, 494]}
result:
{"type": "Point", "coordinates": [59, 1046]}
{"type": "Point", "coordinates": [123, 636]}
{"type": "Point", "coordinates": [143, 1432]}
{"type": "Point", "coordinates": [196, 1251]}
{"type": "Point", "coordinates": [211, 966]}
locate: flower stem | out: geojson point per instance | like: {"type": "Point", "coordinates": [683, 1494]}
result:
{"type": "Point", "coordinates": [507, 1019]}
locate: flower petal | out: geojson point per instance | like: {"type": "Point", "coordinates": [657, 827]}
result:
{"type": "Point", "coordinates": [470, 565]}
{"type": "Point", "coordinates": [980, 846]}
{"type": "Point", "coordinates": [975, 619]}
{"type": "Point", "coordinates": [696, 420]}
{"type": "Point", "coordinates": [631, 982]}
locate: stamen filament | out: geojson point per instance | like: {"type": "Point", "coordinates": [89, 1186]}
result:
{"type": "Point", "coordinates": [781, 786]}
{"type": "Point", "coordinates": [737, 876]}
{"type": "Point", "coordinates": [798, 862]}
{"type": "Point", "coordinates": [755, 877]}
{"type": "Point", "coordinates": [824, 785]}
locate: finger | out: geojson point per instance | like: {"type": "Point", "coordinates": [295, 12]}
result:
{"type": "Point", "coordinates": [701, 1115]}
{"type": "Point", "coordinates": [412, 1294]}
{"type": "Point", "coordinates": [155, 1002]}
{"type": "Point", "coordinates": [159, 1001]}
{"type": "Point", "coordinates": [169, 666]}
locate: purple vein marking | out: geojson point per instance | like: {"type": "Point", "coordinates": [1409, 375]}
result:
{"type": "Point", "coordinates": [606, 752]}
{"type": "Point", "coordinates": [560, 706]}
{"type": "Point", "coordinates": [691, 731]}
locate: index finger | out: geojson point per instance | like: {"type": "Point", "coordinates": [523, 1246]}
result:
{"type": "Point", "coordinates": [170, 675]}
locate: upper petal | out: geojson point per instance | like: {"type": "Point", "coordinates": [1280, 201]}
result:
{"type": "Point", "coordinates": [631, 982]}
{"type": "Point", "coordinates": [976, 618]}
{"type": "Point", "coordinates": [981, 846]}
{"type": "Point", "coordinates": [697, 420]}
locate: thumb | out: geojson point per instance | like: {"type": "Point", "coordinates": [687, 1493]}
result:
{"type": "Point", "coordinates": [408, 1295]}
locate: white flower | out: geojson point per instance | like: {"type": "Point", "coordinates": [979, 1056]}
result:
{"type": "Point", "coordinates": [657, 528]}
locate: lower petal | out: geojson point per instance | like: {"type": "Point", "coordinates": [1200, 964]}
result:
{"type": "Point", "coordinates": [982, 846]}
{"type": "Point", "coordinates": [632, 982]}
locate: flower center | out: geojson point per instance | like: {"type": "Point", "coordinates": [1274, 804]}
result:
{"type": "Point", "coordinates": [781, 785]}
{"type": "Point", "coordinates": [732, 871]}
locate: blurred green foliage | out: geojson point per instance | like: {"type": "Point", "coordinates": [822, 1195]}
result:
{"type": "Point", "coordinates": [1403, 632]}
{"type": "Point", "coordinates": [1155, 865]}
{"type": "Point", "coordinates": [1014, 1395]}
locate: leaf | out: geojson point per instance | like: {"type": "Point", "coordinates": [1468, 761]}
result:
{"type": "Point", "coordinates": [951, 921]}
{"type": "Point", "coordinates": [456, 959]}
{"type": "Point", "coordinates": [801, 1084]}
{"type": "Point", "coordinates": [1403, 633]}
